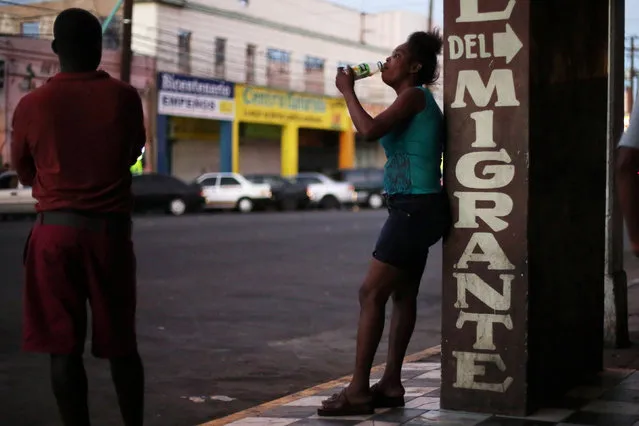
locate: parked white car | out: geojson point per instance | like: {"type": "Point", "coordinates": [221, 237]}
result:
{"type": "Point", "coordinates": [233, 191]}
{"type": "Point", "coordinates": [15, 198]}
{"type": "Point", "coordinates": [326, 192]}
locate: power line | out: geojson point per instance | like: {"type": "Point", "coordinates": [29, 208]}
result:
{"type": "Point", "coordinates": [127, 53]}
{"type": "Point", "coordinates": [223, 33]}
{"type": "Point", "coordinates": [203, 59]}
{"type": "Point", "coordinates": [208, 46]}
{"type": "Point", "coordinates": [56, 11]}
{"type": "Point", "coordinates": [232, 31]}
{"type": "Point", "coordinates": [205, 66]}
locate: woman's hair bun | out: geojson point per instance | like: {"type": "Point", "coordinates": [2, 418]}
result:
{"type": "Point", "coordinates": [424, 47]}
{"type": "Point", "coordinates": [427, 41]}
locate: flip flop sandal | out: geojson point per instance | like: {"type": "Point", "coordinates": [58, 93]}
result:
{"type": "Point", "coordinates": [338, 405]}
{"type": "Point", "coordinates": [383, 401]}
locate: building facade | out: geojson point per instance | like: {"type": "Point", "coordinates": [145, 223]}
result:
{"type": "Point", "coordinates": [26, 63]}
{"type": "Point", "coordinates": [283, 49]}
{"type": "Point", "coordinates": [195, 119]}
{"type": "Point", "coordinates": [287, 51]}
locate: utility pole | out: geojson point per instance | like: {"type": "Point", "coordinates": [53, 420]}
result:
{"type": "Point", "coordinates": [430, 15]}
{"type": "Point", "coordinates": [615, 279]}
{"type": "Point", "coordinates": [127, 54]}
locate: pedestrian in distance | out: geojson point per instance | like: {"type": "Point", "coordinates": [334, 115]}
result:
{"type": "Point", "coordinates": [73, 141]}
{"type": "Point", "coordinates": [627, 178]}
{"type": "Point", "coordinates": [411, 132]}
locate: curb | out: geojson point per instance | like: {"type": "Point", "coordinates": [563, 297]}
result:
{"type": "Point", "coordinates": [256, 411]}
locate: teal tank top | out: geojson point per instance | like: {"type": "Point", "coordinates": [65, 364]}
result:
{"type": "Point", "coordinates": [414, 153]}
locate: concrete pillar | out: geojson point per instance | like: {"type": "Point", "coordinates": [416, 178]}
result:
{"type": "Point", "coordinates": [616, 282]}
{"type": "Point", "coordinates": [525, 98]}
{"type": "Point", "coordinates": [163, 160]}
{"type": "Point", "coordinates": [346, 158]}
{"type": "Point", "coordinates": [290, 148]}
{"type": "Point", "coordinates": [226, 146]}
{"type": "Point", "coordinates": [235, 146]}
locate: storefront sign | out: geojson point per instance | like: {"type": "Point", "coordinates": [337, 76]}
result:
{"type": "Point", "coordinates": [187, 96]}
{"type": "Point", "coordinates": [485, 260]}
{"type": "Point", "coordinates": [267, 106]}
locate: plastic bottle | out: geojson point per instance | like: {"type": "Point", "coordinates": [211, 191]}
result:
{"type": "Point", "coordinates": [367, 69]}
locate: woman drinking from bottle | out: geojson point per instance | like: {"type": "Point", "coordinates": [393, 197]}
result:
{"type": "Point", "coordinates": [412, 134]}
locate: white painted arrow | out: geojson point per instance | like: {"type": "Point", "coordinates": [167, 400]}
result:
{"type": "Point", "coordinates": [506, 45]}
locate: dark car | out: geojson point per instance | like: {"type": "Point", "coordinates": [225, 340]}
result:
{"type": "Point", "coordinates": [156, 192]}
{"type": "Point", "coordinates": [368, 183]}
{"type": "Point", "coordinates": [287, 195]}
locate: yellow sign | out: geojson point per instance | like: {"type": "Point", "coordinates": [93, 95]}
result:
{"type": "Point", "coordinates": [268, 106]}
{"type": "Point", "coordinates": [226, 107]}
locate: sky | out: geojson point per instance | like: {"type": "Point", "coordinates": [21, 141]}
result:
{"type": "Point", "coordinates": [421, 6]}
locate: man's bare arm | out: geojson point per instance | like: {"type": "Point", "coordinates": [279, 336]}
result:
{"type": "Point", "coordinates": [627, 179]}
{"type": "Point", "coordinates": [21, 157]}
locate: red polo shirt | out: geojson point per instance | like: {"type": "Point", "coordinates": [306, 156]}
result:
{"type": "Point", "coordinates": [74, 140]}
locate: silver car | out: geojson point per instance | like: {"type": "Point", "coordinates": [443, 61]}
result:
{"type": "Point", "coordinates": [15, 198]}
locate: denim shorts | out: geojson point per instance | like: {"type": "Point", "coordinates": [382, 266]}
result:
{"type": "Point", "coordinates": [414, 224]}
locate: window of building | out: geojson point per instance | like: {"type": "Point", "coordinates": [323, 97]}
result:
{"type": "Point", "coordinates": [184, 51]}
{"type": "Point", "coordinates": [220, 57]}
{"type": "Point", "coordinates": [31, 29]}
{"type": "Point", "coordinates": [250, 63]}
{"type": "Point", "coordinates": [312, 63]}
{"type": "Point", "coordinates": [280, 57]}
{"type": "Point", "coordinates": [278, 69]}
{"type": "Point", "coordinates": [314, 74]}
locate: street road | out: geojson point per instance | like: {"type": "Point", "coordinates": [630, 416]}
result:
{"type": "Point", "coordinates": [250, 307]}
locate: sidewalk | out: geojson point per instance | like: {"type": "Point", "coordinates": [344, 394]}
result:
{"type": "Point", "coordinates": [611, 399]}
{"type": "Point", "coordinates": [606, 402]}
{"type": "Point", "coordinates": [628, 358]}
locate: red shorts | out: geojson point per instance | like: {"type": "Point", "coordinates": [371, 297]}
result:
{"type": "Point", "coordinates": [68, 266]}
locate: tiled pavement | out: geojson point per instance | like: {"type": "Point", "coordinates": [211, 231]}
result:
{"type": "Point", "coordinates": [611, 400]}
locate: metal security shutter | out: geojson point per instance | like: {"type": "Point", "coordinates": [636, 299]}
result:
{"type": "Point", "coordinates": [318, 150]}
{"type": "Point", "coordinates": [191, 158]}
{"type": "Point", "coordinates": [369, 154]}
{"type": "Point", "coordinates": [260, 156]}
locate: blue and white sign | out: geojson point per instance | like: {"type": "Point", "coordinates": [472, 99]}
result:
{"type": "Point", "coordinates": [186, 96]}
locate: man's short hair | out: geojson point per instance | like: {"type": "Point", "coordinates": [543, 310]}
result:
{"type": "Point", "coordinates": [75, 30]}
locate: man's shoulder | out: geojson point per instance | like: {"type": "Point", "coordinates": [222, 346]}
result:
{"type": "Point", "coordinates": [121, 85]}
{"type": "Point", "coordinates": [34, 96]}
{"type": "Point", "coordinates": [51, 91]}
{"type": "Point", "coordinates": [106, 80]}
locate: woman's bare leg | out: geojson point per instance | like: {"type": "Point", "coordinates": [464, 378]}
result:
{"type": "Point", "coordinates": [377, 288]}
{"type": "Point", "coordinates": [401, 331]}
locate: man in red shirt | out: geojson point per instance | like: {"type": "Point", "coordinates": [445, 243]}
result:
{"type": "Point", "coordinates": [74, 140]}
